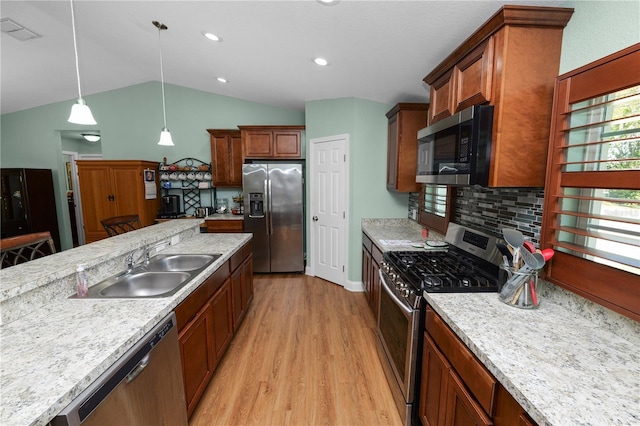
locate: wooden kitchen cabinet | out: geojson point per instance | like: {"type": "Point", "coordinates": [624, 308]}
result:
{"type": "Point", "coordinates": [510, 62]}
{"type": "Point", "coordinates": [224, 226]}
{"type": "Point", "coordinates": [241, 283]}
{"type": "Point", "coordinates": [405, 119]}
{"type": "Point", "coordinates": [371, 260]}
{"type": "Point", "coordinates": [197, 356]}
{"type": "Point", "coordinates": [203, 343]}
{"type": "Point", "coordinates": [207, 320]}
{"type": "Point", "coordinates": [226, 156]}
{"type": "Point", "coordinates": [456, 388]}
{"type": "Point", "coordinates": [114, 188]}
{"type": "Point", "coordinates": [222, 319]}
{"type": "Point", "coordinates": [265, 142]}
{"type": "Point", "coordinates": [433, 385]}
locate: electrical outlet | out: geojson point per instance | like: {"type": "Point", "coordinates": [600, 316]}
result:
{"type": "Point", "coordinates": [414, 214]}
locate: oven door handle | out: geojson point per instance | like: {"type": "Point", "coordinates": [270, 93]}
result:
{"type": "Point", "coordinates": [398, 302]}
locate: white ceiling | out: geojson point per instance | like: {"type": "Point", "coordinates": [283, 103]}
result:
{"type": "Point", "coordinates": [378, 50]}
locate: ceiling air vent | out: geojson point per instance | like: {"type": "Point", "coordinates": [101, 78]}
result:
{"type": "Point", "coordinates": [16, 30]}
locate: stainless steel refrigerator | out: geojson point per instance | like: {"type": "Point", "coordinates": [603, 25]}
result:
{"type": "Point", "coordinates": [274, 213]}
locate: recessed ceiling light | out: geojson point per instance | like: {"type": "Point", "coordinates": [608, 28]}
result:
{"type": "Point", "coordinates": [221, 79]}
{"type": "Point", "coordinates": [328, 2]}
{"type": "Point", "coordinates": [320, 61]}
{"type": "Point", "coordinates": [211, 36]}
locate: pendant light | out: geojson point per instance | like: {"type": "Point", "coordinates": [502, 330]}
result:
{"type": "Point", "coordinates": [165, 135]}
{"type": "Point", "coordinates": [80, 112]}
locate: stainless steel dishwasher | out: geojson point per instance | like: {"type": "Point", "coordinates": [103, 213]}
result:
{"type": "Point", "coordinates": [144, 387]}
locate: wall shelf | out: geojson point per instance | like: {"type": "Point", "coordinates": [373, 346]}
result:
{"type": "Point", "coordinates": [191, 177]}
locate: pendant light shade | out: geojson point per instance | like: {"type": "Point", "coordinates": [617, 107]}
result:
{"type": "Point", "coordinates": [165, 138]}
{"type": "Point", "coordinates": [80, 112]}
{"type": "Point", "coordinates": [165, 135]}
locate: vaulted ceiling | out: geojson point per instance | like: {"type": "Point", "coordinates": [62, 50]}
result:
{"type": "Point", "coordinates": [377, 50]}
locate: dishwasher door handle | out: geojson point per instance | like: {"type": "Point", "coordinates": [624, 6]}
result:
{"type": "Point", "coordinates": [138, 368]}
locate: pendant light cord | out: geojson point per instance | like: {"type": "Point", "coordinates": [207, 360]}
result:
{"type": "Point", "coordinates": [164, 110]}
{"type": "Point", "coordinates": [75, 48]}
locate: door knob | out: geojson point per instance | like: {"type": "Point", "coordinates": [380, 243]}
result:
{"type": "Point", "coordinates": [315, 218]}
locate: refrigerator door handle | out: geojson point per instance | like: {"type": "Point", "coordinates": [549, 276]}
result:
{"type": "Point", "coordinates": [267, 193]}
{"type": "Point", "coordinates": [270, 211]}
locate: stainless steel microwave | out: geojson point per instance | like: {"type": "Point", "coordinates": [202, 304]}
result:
{"type": "Point", "coordinates": [457, 149]}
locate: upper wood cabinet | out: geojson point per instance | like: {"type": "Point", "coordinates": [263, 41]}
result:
{"type": "Point", "coordinates": [511, 62]}
{"type": "Point", "coordinates": [263, 142]}
{"type": "Point", "coordinates": [402, 145]}
{"type": "Point", "coordinates": [114, 188]}
{"type": "Point", "coordinates": [226, 156]}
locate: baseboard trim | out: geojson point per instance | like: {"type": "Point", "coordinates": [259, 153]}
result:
{"type": "Point", "coordinates": [354, 286]}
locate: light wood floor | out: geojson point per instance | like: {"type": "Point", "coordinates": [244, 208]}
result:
{"type": "Point", "coordinates": [304, 355]}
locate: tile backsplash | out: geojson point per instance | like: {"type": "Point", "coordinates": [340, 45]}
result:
{"type": "Point", "coordinates": [491, 209]}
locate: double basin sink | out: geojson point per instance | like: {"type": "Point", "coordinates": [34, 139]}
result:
{"type": "Point", "coordinates": [161, 276]}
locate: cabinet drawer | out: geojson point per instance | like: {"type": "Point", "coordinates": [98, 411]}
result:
{"type": "Point", "coordinates": [236, 260]}
{"type": "Point", "coordinates": [376, 254]}
{"type": "Point", "coordinates": [246, 250]}
{"type": "Point", "coordinates": [224, 225]}
{"type": "Point", "coordinates": [188, 308]}
{"type": "Point", "coordinates": [477, 378]}
{"type": "Point", "coordinates": [366, 242]}
{"type": "Point", "coordinates": [215, 281]}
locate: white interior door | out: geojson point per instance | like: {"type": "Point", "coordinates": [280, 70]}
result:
{"type": "Point", "coordinates": [329, 191]}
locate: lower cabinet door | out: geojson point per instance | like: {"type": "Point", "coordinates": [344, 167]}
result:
{"type": "Point", "coordinates": [462, 409]}
{"type": "Point", "coordinates": [221, 307]}
{"type": "Point", "coordinates": [433, 385]}
{"type": "Point", "coordinates": [197, 355]}
{"type": "Point", "coordinates": [237, 296]}
{"type": "Point", "coordinates": [366, 272]}
{"type": "Point", "coordinates": [247, 282]}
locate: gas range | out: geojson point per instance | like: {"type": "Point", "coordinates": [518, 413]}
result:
{"type": "Point", "coordinates": [470, 264]}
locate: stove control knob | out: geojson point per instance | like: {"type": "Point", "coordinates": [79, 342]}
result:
{"type": "Point", "coordinates": [404, 292]}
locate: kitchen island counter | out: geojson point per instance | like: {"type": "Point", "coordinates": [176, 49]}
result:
{"type": "Point", "coordinates": [53, 353]}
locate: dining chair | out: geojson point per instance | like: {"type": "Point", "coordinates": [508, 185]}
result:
{"type": "Point", "coordinates": [24, 248]}
{"type": "Point", "coordinates": [120, 224]}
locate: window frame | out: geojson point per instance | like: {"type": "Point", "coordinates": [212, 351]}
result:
{"type": "Point", "coordinates": [433, 221]}
{"type": "Point", "coordinates": [621, 291]}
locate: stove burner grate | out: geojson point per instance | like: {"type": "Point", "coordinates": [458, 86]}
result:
{"type": "Point", "coordinates": [445, 272]}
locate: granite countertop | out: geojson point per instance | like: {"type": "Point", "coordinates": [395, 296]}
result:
{"type": "Point", "coordinates": [398, 234]}
{"type": "Point", "coordinates": [224, 216]}
{"type": "Point", "coordinates": [568, 362]}
{"type": "Point", "coordinates": [53, 353]}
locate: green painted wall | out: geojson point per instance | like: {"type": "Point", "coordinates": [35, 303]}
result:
{"type": "Point", "coordinates": [129, 121]}
{"type": "Point", "coordinates": [366, 124]}
{"type": "Point", "coordinates": [597, 29]}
